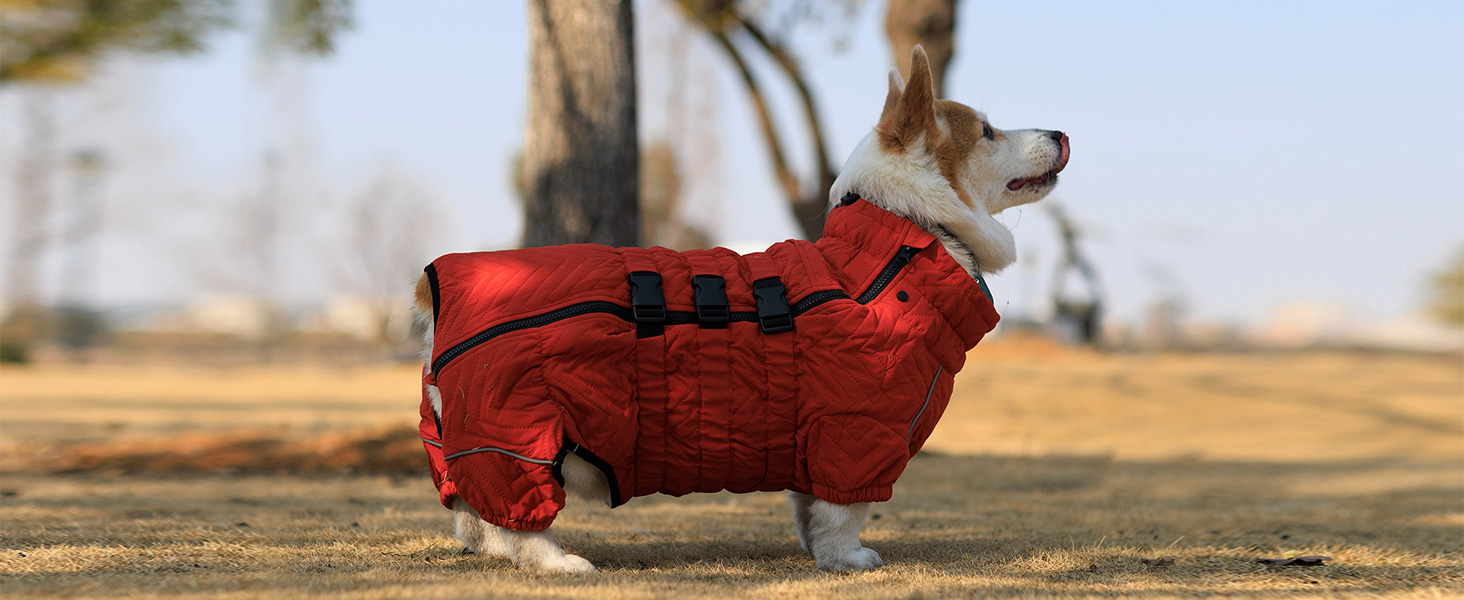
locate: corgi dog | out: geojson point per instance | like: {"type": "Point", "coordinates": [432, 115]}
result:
{"type": "Point", "coordinates": [938, 169]}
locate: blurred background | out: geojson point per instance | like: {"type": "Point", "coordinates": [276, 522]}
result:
{"type": "Point", "coordinates": [258, 181]}
{"type": "Point", "coordinates": [1236, 328]}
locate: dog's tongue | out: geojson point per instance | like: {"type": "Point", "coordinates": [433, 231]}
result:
{"type": "Point", "coordinates": [1061, 160]}
{"type": "Point", "coordinates": [1016, 184]}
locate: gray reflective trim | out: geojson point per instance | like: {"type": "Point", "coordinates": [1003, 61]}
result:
{"type": "Point", "coordinates": [431, 442]}
{"type": "Point", "coordinates": [501, 451]}
{"type": "Point", "coordinates": [922, 406]}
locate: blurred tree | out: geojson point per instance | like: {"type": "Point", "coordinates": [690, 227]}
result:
{"type": "Point", "coordinates": [1446, 291]}
{"type": "Point", "coordinates": [32, 170]}
{"type": "Point", "coordinates": [660, 201]}
{"type": "Point", "coordinates": [930, 23]}
{"type": "Point", "coordinates": [1077, 316]}
{"type": "Point", "coordinates": [580, 159]}
{"type": "Point", "coordinates": [907, 22]}
{"type": "Point", "coordinates": [59, 41]}
{"type": "Point", "coordinates": [722, 20]}
{"type": "Point", "coordinates": [388, 230]}
{"type": "Point", "coordinates": [308, 27]}
{"type": "Point", "coordinates": [661, 221]}
{"type": "Point", "coordinates": [47, 43]}
{"type": "Point", "coordinates": [34, 201]}
{"type": "Point", "coordinates": [291, 33]}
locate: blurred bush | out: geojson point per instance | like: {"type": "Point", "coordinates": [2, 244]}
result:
{"type": "Point", "coordinates": [1446, 291]}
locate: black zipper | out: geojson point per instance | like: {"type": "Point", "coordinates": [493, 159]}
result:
{"type": "Point", "coordinates": [901, 259]}
{"type": "Point", "coordinates": [575, 310]}
{"type": "Point", "coordinates": [673, 317]}
{"type": "Point", "coordinates": [817, 298]}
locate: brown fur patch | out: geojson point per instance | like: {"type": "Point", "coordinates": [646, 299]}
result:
{"type": "Point", "coordinates": [423, 297]}
{"type": "Point", "coordinates": [956, 148]}
{"type": "Point", "coordinates": [913, 114]}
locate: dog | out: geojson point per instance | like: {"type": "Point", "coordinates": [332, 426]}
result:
{"type": "Point", "coordinates": [815, 368]}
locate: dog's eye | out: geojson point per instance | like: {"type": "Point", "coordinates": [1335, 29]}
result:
{"type": "Point", "coordinates": [986, 131]}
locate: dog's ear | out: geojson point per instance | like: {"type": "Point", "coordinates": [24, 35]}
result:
{"type": "Point", "coordinates": [897, 87]}
{"type": "Point", "coordinates": [909, 111]}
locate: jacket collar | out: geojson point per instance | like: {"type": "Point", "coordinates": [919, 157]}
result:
{"type": "Point", "coordinates": [867, 226]}
{"type": "Point", "coordinates": [963, 300]}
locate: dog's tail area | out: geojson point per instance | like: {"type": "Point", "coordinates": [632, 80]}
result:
{"type": "Point", "coordinates": [422, 299]}
{"type": "Point", "coordinates": [424, 309]}
{"type": "Point", "coordinates": [431, 408]}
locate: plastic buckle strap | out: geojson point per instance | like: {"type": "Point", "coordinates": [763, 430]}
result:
{"type": "Point", "coordinates": [647, 301]}
{"type": "Point", "coordinates": [773, 312]}
{"type": "Point", "coordinates": [710, 293]}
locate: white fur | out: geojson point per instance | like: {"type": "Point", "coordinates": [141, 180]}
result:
{"type": "Point", "coordinates": [477, 535]}
{"type": "Point", "coordinates": [527, 549]}
{"type": "Point", "coordinates": [538, 550]}
{"type": "Point", "coordinates": [435, 395]}
{"type": "Point", "coordinates": [585, 481]}
{"type": "Point", "coordinates": [831, 533]}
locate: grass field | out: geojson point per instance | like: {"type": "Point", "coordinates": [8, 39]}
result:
{"type": "Point", "coordinates": [1053, 473]}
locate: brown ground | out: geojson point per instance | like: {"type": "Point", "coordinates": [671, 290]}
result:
{"type": "Point", "coordinates": [1053, 473]}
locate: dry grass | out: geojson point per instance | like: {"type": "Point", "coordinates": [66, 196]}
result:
{"type": "Point", "coordinates": [1052, 474]}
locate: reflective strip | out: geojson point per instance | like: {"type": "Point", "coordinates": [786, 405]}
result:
{"type": "Point", "coordinates": [431, 442]}
{"type": "Point", "coordinates": [501, 451]}
{"type": "Point", "coordinates": [922, 406]}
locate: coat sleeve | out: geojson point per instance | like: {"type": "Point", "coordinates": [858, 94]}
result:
{"type": "Point", "coordinates": [853, 458]}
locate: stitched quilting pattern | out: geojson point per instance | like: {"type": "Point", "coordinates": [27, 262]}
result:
{"type": "Point", "coordinates": [735, 408]}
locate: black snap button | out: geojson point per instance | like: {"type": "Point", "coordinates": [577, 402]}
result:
{"type": "Point", "coordinates": [903, 296]}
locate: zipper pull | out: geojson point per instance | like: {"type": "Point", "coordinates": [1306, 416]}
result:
{"type": "Point", "coordinates": [904, 255]}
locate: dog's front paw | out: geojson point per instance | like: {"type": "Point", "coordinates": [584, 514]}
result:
{"type": "Point", "coordinates": [567, 563]}
{"type": "Point", "coordinates": [862, 559]}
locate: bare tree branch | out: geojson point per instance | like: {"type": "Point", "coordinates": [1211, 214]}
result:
{"type": "Point", "coordinates": [786, 178]}
{"type": "Point", "coordinates": [718, 18]}
{"type": "Point", "coordinates": [790, 68]}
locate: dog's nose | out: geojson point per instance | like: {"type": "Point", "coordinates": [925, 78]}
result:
{"type": "Point", "coordinates": [1055, 135]}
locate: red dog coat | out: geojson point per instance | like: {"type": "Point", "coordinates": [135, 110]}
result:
{"type": "Point", "coordinates": [814, 367]}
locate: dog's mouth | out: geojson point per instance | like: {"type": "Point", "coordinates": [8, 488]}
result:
{"type": "Point", "coordinates": [1046, 179]}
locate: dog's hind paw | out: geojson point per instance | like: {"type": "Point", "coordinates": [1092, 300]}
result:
{"type": "Point", "coordinates": [567, 563]}
{"type": "Point", "coordinates": [862, 559]}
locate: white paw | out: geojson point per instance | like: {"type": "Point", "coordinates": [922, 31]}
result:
{"type": "Point", "coordinates": [567, 563]}
{"type": "Point", "coordinates": [862, 559]}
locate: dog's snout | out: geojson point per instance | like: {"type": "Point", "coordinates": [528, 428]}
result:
{"type": "Point", "coordinates": [1055, 135]}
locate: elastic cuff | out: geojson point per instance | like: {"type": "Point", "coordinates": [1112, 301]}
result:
{"type": "Point", "coordinates": [874, 493]}
{"type": "Point", "coordinates": [447, 493]}
{"type": "Point", "coordinates": [520, 524]}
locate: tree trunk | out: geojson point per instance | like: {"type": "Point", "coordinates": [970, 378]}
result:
{"type": "Point", "coordinates": [580, 166]}
{"type": "Point", "coordinates": [930, 23]}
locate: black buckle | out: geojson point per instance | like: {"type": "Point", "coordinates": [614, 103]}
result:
{"type": "Point", "coordinates": [773, 312]}
{"type": "Point", "coordinates": [647, 302]}
{"type": "Point", "coordinates": [711, 299]}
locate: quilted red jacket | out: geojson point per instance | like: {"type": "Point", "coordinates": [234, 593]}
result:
{"type": "Point", "coordinates": [815, 367]}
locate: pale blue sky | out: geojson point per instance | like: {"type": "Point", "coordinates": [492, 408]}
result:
{"type": "Point", "coordinates": [1243, 153]}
